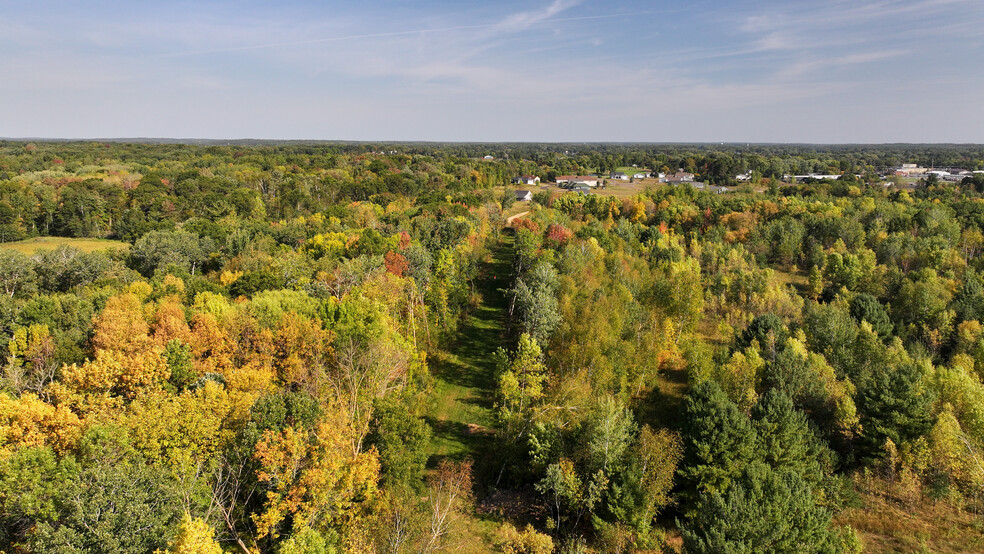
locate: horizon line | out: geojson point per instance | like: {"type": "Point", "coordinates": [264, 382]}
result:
{"type": "Point", "coordinates": [188, 140]}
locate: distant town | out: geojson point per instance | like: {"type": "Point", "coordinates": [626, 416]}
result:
{"type": "Point", "coordinates": [903, 175]}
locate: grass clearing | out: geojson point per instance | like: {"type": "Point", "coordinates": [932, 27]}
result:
{"type": "Point", "coordinates": [891, 521]}
{"type": "Point", "coordinates": [33, 245]}
{"type": "Point", "coordinates": [461, 413]}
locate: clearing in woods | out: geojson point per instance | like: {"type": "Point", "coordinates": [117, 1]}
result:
{"type": "Point", "coordinates": [461, 415]}
{"type": "Point", "coordinates": [31, 246]}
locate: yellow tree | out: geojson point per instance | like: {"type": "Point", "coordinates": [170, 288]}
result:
{"type": "Point", "coordinates": [121, 326]}
{"type": "Point", "coordinates": [116, 373]}
{"type": "Point", "coordinates": [168, 323]}
{"type": "Point", "coordinates": [28, 421]}
{"type": "Point", "coordinates": [194, 537]}
{"type": "Point", "coordinates": [315, 478]}
{"type": "Point", "coordinates": [300, 350]}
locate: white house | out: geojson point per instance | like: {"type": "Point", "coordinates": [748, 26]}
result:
{"type": "Point", "coordinates": [575, 179]}
{"type": "Point", "coordinates": [619, 175]}
{"type": "Point", "coordinates": [640, 175]}
{"type": "Point", "coordinates": [526, 180]}
{"type": "Point", "coordinates": [680, 177]}
{"type": "Point", "coordinates": [524, 196]}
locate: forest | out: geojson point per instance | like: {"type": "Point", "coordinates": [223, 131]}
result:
{"type": "Point", "coordinates": [301, 347]}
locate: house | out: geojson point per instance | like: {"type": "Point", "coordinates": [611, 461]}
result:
{"type": "Point", "coordinates": [680, 177]}
{"type": "Point", "coordinates": [746, 176]}
{"type": "Point", "coordinates": [590, 182]}
{"type": "Point", "coordinates": [489, 157]}
{"type": "Point", "coordinates": [571, 180]}
{"type": "Point", "coordinates": [526, 180]}
{"type": "Point", "coordinates": [619, 175]}
{"type": "Point", "coordinates": [640, 175]}
{"type": "Point", "coordinates": [524, 196]}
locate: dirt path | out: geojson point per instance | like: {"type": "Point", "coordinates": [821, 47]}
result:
{"type": "Point", "coordinates": [509, 220]}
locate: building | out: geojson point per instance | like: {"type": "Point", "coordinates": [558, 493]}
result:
{"type": "Point", "coordinates": [909, 169]}
{"type": "Point", "coordinates": [526, 180]}
{"type": "Point", "coordinates": [680, 177]}
{"type": "Point", "coordinates": [524, 196]}
{"type": "Point", "coordinates": [640, 175]}
{"type": "Point", "coordinates": [575, 179]}
{"type": "Point", "coordinates": [619, 175]}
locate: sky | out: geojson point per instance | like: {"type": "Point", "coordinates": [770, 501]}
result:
{"type": "Point", "coordinates": [816, 71]}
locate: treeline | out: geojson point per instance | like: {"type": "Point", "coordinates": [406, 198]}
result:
{"type": "Point", "coordinates": [126, 190]}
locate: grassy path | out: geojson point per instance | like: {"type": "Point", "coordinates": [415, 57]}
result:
{"type": "Point", "coordinates": [465, 373]}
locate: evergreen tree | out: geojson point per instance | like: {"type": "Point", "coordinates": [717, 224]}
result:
{"type": "Point", "coordinates": [763, 511]}
{"type": "Point", "coordinates": [969, 300]}
{"type": "Point", "coordinates": [865, 307]}
{"type": "Point", "coordinates": [770, 332]}
{"type": "Point", "coordinates": [893, 404]}
{"type": "Point", "coordinates": [785, 440]}
{"type": "Point", "coordinates": [718, 441]}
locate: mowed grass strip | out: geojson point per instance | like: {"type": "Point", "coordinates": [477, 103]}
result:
{"type": "Point", "coordinates": [461, 411]}
{"type": "Point", "coordinates": [31, 246]}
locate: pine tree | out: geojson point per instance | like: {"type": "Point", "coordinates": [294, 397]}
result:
{"type": "Point", "coordinates": [718, 441]}
{"type": "Point", "coordinates": [785, 440]}
{"type": "Point", "coordinates": [893, 404]}
{"type": "Point", "coordinates": [763, 511]}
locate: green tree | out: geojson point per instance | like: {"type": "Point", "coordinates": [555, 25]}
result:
{"type": "Point", "coordinates": [161, 249]}
{"type": "Point", "coordinates": [893, 403]}
{"type": "Point", "coordinates": [401, 439]}
{"type": "Point", "coordinates": [16, 273]}
{"type": "Point", "coordinates": [770, 332]}
{"type": "Point", "coordinates": [865, 307]}
{"type": "Point", "coordinates": [607, 435]}
{"type": "Point", "coordinates": [718, 441]}
{"type": "Point", "coordinates": [535, 300]}
{"type": "Point", "coordinates": [785, 440]}
{"type": "Point", "coordinates": [116, 502]}
{"type": "Point", "coordinates": [763, 511]}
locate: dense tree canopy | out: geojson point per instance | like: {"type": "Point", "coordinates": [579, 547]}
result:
{"type": "Point", "coordinates": [328, 347]}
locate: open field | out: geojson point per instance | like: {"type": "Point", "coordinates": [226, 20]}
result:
{"type": "Point", "coordinates": [30, 246]}
{"type": "Point", "coordinates": [893, 521]}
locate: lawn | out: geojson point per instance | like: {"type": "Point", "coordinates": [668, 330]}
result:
{"type": "Point", "coordinates": [630, 171]}
{"type": "Point", "coordinates": [30, 246]}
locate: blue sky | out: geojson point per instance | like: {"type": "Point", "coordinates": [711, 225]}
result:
{"type": "Point", "coordinates": [551, 70]}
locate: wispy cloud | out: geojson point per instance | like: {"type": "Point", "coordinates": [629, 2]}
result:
{"type": "Point", "coordinates": [808, 66]}
{"type": "Point", "coordinates": [510, 24]}
{"type": "Point", "coordinates": [521, 21]}
{"type": "Point", "coordinates": [571, 69]}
